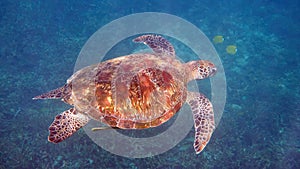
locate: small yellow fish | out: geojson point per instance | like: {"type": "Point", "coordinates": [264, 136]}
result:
{"type": "Point", "coordinates": [218, 39]}
{"type": "Point", "coordinates": [231, 49]}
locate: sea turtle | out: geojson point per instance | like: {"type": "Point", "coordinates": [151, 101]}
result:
{"type": "Point", "coordinates": [136, 91]}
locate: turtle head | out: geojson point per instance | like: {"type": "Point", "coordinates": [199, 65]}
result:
{"type": "Point", "coordinates": [200, 69]}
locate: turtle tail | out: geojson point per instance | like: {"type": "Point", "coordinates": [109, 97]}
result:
{"type": "Point", "coordinates": [53, 94]}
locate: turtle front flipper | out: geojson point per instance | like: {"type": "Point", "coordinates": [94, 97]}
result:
{"type": "Point", "coordinates": [203, 119]}
{"type": "Point", "coordinates": [65, 124]}
{"type": "Point", "coordinates": [158, 44]}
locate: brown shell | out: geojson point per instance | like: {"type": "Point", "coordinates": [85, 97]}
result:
{"type": "Point", "coordinates": [136, 91]}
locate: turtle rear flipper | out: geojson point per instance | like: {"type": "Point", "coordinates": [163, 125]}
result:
{"type": "Point", "coordinates": [203, 119]}
{"type": "Point", "coordinates": [58, 93]}
{"type": "Point", "coordinates": [65, 124]}
{"type": "Point", "coordinates": [53, 94]}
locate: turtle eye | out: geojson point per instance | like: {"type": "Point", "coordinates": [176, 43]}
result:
{"type": "Point", "coordinates": [206, 69]}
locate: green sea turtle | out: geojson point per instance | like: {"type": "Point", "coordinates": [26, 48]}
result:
{"type": "Point", "coordinates": [136, 91]}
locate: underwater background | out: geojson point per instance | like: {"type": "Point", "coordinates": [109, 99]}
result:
{"type": "Point", "coordinates": [260, 126]}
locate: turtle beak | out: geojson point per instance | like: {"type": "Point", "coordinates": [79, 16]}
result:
{"type": "Point", "coordinates": [213, 71]}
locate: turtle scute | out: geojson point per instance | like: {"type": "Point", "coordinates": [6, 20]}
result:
{"type": "Point", "coordinates": [148, 98]}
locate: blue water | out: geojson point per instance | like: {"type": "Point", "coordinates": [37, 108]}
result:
{"type": "Point", "coordinates": [260, 127]}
